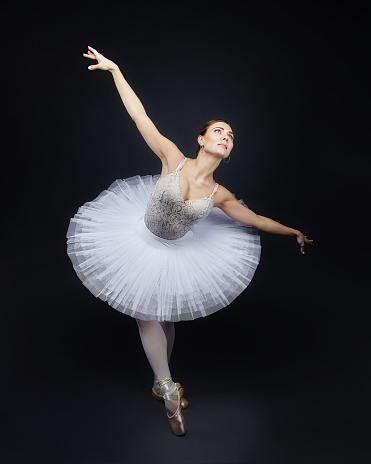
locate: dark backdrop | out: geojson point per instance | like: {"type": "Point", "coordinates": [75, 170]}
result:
{"type": "Point", "coordinates": [281, 375]}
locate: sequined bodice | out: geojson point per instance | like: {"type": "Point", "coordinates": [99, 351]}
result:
{"type": "Point", "coordinates": [168, 215]}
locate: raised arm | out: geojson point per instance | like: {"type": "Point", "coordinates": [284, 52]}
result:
{"type": "Point", "coordinates": [159, 144]}
{"type": "Point", "coordinates": [240, 213]}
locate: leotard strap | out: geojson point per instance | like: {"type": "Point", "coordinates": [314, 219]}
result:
{"type": "Point", "coordinates": [215, 189]}
{"type": "Point", "coordinates": [181, 164]}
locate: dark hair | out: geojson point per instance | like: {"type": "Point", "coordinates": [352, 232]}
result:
{"type": "Point", "coordinates": [204, 128]}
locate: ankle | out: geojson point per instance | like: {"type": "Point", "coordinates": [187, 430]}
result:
{"type": "Point", "coordinates": [155, 387]}
{"type": "Point", "coordinates": [167, 388]}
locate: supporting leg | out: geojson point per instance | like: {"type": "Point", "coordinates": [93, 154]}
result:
{"type": "Point", "coordinates": [155, 347]}
{"type": "Point", "coordinates": [169, 331]}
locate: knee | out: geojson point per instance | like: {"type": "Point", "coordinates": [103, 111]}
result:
{"type": "Point", "coordinates": [145, 325]}
{"type": "Point", "coordinates": [140, 323]}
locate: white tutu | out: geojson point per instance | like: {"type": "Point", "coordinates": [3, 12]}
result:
{"type": "Point", "coordinates": [120, 261]}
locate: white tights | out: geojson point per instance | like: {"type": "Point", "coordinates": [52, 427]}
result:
{"type": "Point", "coordinates": [158, 341]}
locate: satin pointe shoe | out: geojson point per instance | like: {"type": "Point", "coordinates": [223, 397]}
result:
{"type": "Point", "coordinates": [171, 392]}
{"type": "Point", "coordinates": [156, 394]}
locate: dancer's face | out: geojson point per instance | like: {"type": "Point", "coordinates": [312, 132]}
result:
{"type": "Point", "coordinates": [218, 139]}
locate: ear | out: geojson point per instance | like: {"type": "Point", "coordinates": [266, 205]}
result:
{"type": "Point", "coordinates": [200, 140]}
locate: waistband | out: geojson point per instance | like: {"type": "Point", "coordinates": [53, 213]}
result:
{"type": "Point", "coordinates": [159, 242]}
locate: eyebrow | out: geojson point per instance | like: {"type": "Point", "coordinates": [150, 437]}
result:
{"type": "Point", "coordinates": [222, 128]}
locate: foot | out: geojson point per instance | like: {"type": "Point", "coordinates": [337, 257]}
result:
{"type": "Point", "coordinates": [171, 406]}
{"type": "Point", "coordinates": [171, 395]}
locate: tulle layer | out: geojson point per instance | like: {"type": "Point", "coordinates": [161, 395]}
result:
{"type": "Point", "coordinates": [144, 276]}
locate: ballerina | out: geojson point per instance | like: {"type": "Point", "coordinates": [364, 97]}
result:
{"type": "Point", "coordinates": [171, 247]}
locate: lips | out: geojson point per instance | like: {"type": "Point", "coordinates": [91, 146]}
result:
{"type": "Point", "coordinates": [222, 144]}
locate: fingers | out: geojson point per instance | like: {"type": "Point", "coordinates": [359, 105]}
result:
{"type": "Point", "coordinates": [91, 56]}
{"type": "Point", "coordinates": [308, 242]}
{"type": "Point", "coordinates": [303, 242]}
{"type": "Point", "coordinates": [93, 50]}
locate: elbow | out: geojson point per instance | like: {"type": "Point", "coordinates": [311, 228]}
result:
{"type": "Point", "coordinates": [137, 115]}
{"type": "Point", "coordinates": [258, 223]}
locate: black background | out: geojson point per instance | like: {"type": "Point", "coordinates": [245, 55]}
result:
{"type": "Point", "coordinates": [279, 376]}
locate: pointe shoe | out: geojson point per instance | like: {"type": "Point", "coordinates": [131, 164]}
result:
{"type": "Point", "coordinates": [183, 402]}
{"type": "Point", "coordinates": [171, 392]}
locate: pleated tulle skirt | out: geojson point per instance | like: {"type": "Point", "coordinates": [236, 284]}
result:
{"type": "Point", "coordinates": [144, 276]}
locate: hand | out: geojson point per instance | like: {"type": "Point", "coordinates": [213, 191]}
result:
{"type": "Point", "coordinates": [303, 240]}
{"type": "Point", "coordinates": [104, 63]}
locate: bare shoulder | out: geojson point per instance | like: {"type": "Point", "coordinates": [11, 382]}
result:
{"type": "Point", "coordinates": [222, 195]}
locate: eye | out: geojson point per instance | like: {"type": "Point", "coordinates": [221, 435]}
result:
{"type": "Point", "coordinates": [217, 130]}
{"type": "Point", "coordinates": [231, 136]}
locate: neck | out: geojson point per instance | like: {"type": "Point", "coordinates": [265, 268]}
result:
{"type": "Point", "coordinates": [205, 165]}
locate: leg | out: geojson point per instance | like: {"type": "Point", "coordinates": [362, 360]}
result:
{"type": "Point", "coordinates": [169, 331]}
{"type": "Point", "coordinates": [155, 347]}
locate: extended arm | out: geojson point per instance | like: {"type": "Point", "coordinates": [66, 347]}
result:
{"type": "Point", "coordinates": [240, 213]}
{"type": "Point", "coordinates": [156, 141]}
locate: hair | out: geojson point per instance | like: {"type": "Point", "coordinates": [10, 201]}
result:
{"type": "Point", "coordinates": [204, 128]}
